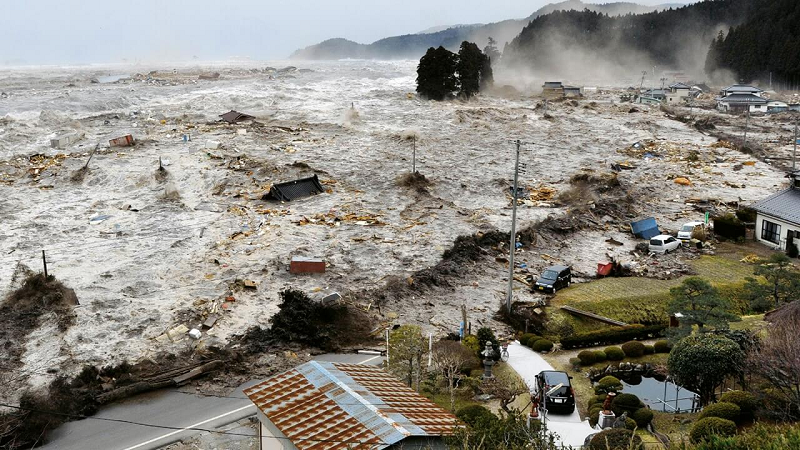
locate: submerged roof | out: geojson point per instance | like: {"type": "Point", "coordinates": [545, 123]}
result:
{"type": "Point", "coordinates": [347, 406]}
{"type": "Point", "coordinates": [235, 116]}
{"type": "Point", "coordinates": [553, 85]}
{"type": "Point", "coordinates": [743, 99]}
{"type": "Point", "coordinates": [291, 190]}
{"type": "Point", "coordinates": [679, 86]}
{"type": "Point", "coordinates": [784, 205]}
{"type": "Point", "coordinates": [742, 88]}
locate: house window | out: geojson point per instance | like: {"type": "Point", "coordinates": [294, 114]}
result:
{"type": "Point", "coordinates": [770, 232]}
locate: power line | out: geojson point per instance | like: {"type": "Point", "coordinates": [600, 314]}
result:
{"type": "Point", "coordinates": [168, 427]}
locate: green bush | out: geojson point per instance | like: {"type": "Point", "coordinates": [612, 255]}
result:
{"type": "Point", "coordinates": [615, 439]}
{"type": "Point", "coordinates": [746, 402]}
{"type": "Point", "coordinates": [587, 357]}
{"type": "Point", "coordinates": [594, 414]}
{"type": "Point", "coordinates": [614, 354]}
{"type": "Point", "coordinates": [471, 342]}
{"type": "Point", "coordinates": [542, 345]}
{"type": "Point", "coordinates": [729, 227]}
{"type": "Point", "coordinates": [486, 334]}
{"type": "Point", "coordinates": [708, 427]}
{"type": "Point", "coordinates": [473, 415]}
{"type": "Point", "coordinates": [528, 339]}
{"type": "Point", "coordinates": [649, 349]}
{"type": "Point", "coordinates": [662, 346]}
{"type": "Point", "coordinates": [723, 410]}
{"type": "Point", "coordinates": [598, 399]}
{"type": "Point", "coordinates": [625, 403]}
{"type": "Point", "coordinates": [607, 384]}
{"type": "Point", "coordinates": [760, 436]}
{"type": "Point", "coordinates": [630, 424]}
{"type": "Point", "coordinates": [643, 417]}
{"type": "Point", "coordinates": [633, 349]}
{"type": "Point", "coordinates": [575, 363]}
{"type": "Point", "coordinates": [612, 335]}
{"type": "Point", "coordinates": [599, 356]}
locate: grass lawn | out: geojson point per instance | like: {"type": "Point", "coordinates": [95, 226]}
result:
{"type": "Point", "coordinates": [644, 300]}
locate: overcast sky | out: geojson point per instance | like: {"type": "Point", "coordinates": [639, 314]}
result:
{"type": "Point", "coordinates": [84, 31]}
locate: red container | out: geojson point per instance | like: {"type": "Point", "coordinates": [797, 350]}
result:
{"type": "Point", "coordinates": [306, 265]}
{"type": "Point", "coordinates": [124, 141]}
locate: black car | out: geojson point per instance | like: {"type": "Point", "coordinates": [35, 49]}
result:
{"type": "Point", "coordinates": [560, 401]}
{"type": "Point", "coordinates": [554, 278]}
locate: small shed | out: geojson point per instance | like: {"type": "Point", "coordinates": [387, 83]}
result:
{"type": "Point", "coordinates": [645, 228]}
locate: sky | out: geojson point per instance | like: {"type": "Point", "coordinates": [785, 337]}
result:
{"type": "Point", "coordinates": [107, 31]}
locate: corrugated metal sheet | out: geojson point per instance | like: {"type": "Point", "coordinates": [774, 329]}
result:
{"type": "Point", "coordinates": [341, 406]}
{"type": "Point", "coordinates": [291, 190]}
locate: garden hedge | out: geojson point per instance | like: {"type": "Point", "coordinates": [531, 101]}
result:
{"type": "Point", "coordinates": [729, 227]}
{"type": "Point", "coordinates": [643, 417]}
{"type": "Point", "coordinates": [704, 429]}
{"type": "Point", "coordinates": [633, 349]}
{"type": "Point", "coordinates": [474, 414]}
{"type": "Point", "coordinates": [662, 346]}
{"type": "Point", "coordinates": [612, 335]}
{"type": "Point", "coordinates": [614, 354]}
{"type": "Point", "coordinates": [528, 339]}
{"type": "Point", "coordinates": [625, 403]}
{"type": "Point", "coordinates": [723, 410]}
{"type": "Point", "coordinates": [542, 345]}
{"type": "Point", "coordinates": [607, 384]}
{"type": "Point", "coordinates": [649, 349]}
{"type": "Point", "coordinates": [600, 356]}
{"type": "Point", "coordinates": [746, 402]}
{"type": "Point", "coordinates": [587, 357]}
{"type": "Point", "coordinates": [615, 439]}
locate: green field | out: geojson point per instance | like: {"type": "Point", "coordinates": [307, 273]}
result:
{"type": "Point", "coordinates": [644, 300]}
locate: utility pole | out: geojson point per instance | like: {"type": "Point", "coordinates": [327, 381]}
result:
{"type": "Point", "coordinates": [794, 150]}
{"type": "Point", "coordinates": [746, 124]}
{"type": "Point", "coordinates": [663, 80]}
{"type": "Point", "coordinates": [414, 158]}
{"type": "Point", "coordinates": [641, 85]}
{"type": "Point", "coordinates": [513, 243]}
{"type": "Point", "coordinates": [44, 262]}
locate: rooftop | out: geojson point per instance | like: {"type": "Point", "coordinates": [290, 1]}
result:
{"type": "Point", "coordinates": [743, 98]}
{"type": "Point", "coordinates": [742, 88]}
{"type": "Point", "coordinates": [346, 404]}
{"type": "Point", "coordinates": [784, 205]}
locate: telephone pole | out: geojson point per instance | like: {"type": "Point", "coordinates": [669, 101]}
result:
{"type": "Point", "coordinates": [513, 244]}
{"type": "Point", "coordinates": [746, 124]}
{"type": "Point", "coordinates": [414, 158]}
{"type": "Point", "coordinates": [794, 150]}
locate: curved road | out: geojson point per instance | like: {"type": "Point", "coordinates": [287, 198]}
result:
{"type": "Point", "coordinates": [169, 408]}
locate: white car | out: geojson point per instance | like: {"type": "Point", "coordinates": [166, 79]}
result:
{"type": "Point", "coordinates": [688, 228]}
{"type": "Point", "coordinates": [663, 243]}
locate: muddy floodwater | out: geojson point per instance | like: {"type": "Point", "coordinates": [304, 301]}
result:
{"type": "Point", "coordinates": [148, 250]}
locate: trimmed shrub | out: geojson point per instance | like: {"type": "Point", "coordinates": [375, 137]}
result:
{"type": "Point", "coordinates": [643, 417]}
{"type": "Point", "coordinates": [723, 410]}
{"type": "Point", "coordinates": [575, 363]}
{"type": "Point", "coordinates": [662, 346]}
{"type": "Point", "coordinates": [625, 403]}
{"type": "Point", "coordinates": [598, 399]}
{"type": "Point", "coordinates": [528, 339]}
{"type": "Point", "coordinates": [630, 424]}
{"type": "Point", "coordinates": [746, 402]}
{"type": "Point", "coordinates": [607, 384]}
{"type": "Point", "coordinates": [704, 429]}
{"type": "Point", "coordinates": [473, 415]}
{"type": "Point", "coordinates": [542, 345]}
{"type": "Point", "coordinates": [615, 439]}
{"type": "Point", "coordinates": [633, 349]}
{"type": "Point", "coordinates": [599, 356]}
{"type": "Point", "coordinates": [587, 357]}
{"type": "Point", "coordinates": [612, 335]}
{"type": "Point", "coordinates": [649, 349]}
{"type": "Point", "coordinates": [614, 354]}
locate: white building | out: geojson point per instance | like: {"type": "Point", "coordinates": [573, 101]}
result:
{"type": "Point", "coordinates": [680, 90]}
{"type": "Point", "coordinates": [741, 89]}
{"type": "Point", "coordinates": [778, 216]}
{"type": "Point", "coordinates": [740, 103]}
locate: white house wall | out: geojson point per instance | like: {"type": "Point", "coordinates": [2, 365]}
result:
{"type": "Point", "coordinates": [785, 227]}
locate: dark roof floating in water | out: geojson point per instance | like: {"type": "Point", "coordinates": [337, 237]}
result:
{"type": "Point", "coordinates": [235, 116]}
{"type": "Point", "coordinates": [292, 190]}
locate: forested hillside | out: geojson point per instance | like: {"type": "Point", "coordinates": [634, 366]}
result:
{"type": "Point", "coordinates": [674, 38]}
{"type": "Point", "coordinates": [768, 42]}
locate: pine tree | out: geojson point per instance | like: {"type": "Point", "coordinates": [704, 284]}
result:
{"type": "Point", "coordinates": [474, 70]}
{"type": "Point", "coordinates": [436, 74]}
{"type": "Point", "coordinates": [491, 50]}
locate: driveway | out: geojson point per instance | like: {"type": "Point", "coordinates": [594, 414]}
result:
{"type": "Point", "coordinates": [570, 429]}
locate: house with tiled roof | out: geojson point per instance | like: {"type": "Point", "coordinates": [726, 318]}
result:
{"type": "Point", "coordinates": [334, 406]}
{"type": "Point", "coordinates": [778, 216]}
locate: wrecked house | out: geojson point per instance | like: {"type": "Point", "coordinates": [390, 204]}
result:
{"type": "Point", "coordinates": [235, 117]}
{"type": "Point", "coordinates": [291, 190]}
{"type": "Point", "coordinates": [645, 228]}
{"type": "Point", "coordinates": [739, 103]}
{"type": "Point", "coordinates": [553, 89]}
{"type": "Point", "coordinates": [572, 91]}
{"type": "Point", "coordinates": [343, 406]}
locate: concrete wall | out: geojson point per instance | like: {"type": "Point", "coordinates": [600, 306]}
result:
{"type": "Point", "coordinates": [785, 227]}
{"type": "Point", "coordinates": [270, 431]}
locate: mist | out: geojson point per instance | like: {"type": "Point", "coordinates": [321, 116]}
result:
{"type": "Point", "coordinates": [104, 31]}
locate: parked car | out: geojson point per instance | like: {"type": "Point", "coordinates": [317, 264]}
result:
{"type": "Point", "coordinates": [554, 278]}
{"type": "Point", "coordinates": [561, 400]}
{"type": "Point", "coordinates": [688, 229]}
{"type": "Point", "coordinates": [663, 243]}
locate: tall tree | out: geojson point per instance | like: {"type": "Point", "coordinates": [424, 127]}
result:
{"type": "Point", "coordinates": [468, 69]}
{"type": "Point", "coordinates": [700, 304]}
{"type": "Point", "coordinates": [450, 357]}
{"type": "Point", "coordinates": [436, 74]}
{"type": "Point", "coordinates": [782, 283]}
{"type": "Point", "coordinates": [491, 50]}
{"type": "Point", "coordinates": [777, 359]}
{"type": "Point", "coordinates": [407, 345]}
{"type": "Point", "coordinates": [701, 362]}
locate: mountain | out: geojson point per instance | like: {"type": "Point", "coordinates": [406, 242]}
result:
{"type": "Point", "coordinates": [769, 42]}
{"type": "Point", "coordinates": [413, 46]}
{"type": "Point", "coordinates": [564, 43]}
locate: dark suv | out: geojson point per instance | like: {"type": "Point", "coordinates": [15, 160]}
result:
{"type": "Point", "coordinates": [554, 278]}
{"type": "Point", "coordinates": [562, 400]}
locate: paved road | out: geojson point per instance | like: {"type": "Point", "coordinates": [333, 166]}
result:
{"type": "Point", "coordinates": [167, 407]}
{"type": "Point", "coordinates": [570, 429]}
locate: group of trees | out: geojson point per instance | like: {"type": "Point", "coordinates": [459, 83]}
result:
{"type": "Point", "coordinates": [441, 73]}
{"type": "Point", "coordinates": [767, 43]}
